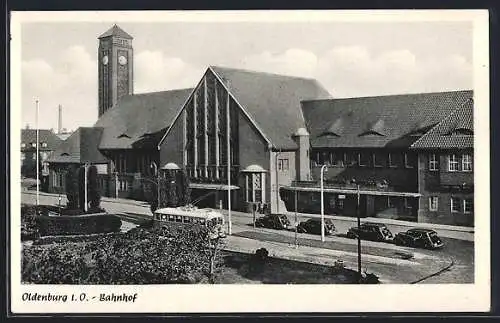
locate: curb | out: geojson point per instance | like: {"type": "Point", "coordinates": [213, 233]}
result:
{"type": "Point", "coordinates": [390, 221]}
{"type": "Point", "coordinates": [309, 215]}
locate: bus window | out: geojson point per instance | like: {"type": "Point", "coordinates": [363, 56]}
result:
{"type": "Point", "coordinates": [202, 221]}
{"type": "Point", "coordinates": [171, 218]}
{"type": "Point", "coordinates": [178, 219]}
{"type": "Point", "coordinates": [187, 219]}
{"type": "Point", "coordinates": [163, 217]}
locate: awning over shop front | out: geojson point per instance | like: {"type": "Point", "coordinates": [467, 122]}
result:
{"type": "Point", "coordinates": [351, 191]}
{"type": "Point", "coordinates": [218, 187]}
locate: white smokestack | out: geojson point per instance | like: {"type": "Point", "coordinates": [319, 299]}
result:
{"type": "Point", "coordinates": [59, 125]}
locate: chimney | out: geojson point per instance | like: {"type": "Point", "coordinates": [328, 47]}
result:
{"type": "Point", "coordinates": [59, 125]}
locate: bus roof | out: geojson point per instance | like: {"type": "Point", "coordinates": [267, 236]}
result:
{"type": "Point", "coordinates": [190, 212]}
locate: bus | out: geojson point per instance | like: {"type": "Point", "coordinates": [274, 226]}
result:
{"type": "Point", "coordinates": [191, 216]}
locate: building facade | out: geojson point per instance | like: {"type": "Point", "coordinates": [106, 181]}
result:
{"type": "Point", "coordinates": [239, 131]}
{"type": "Point", "coordinates": [388, 149]}
{"type": "Point", "coordinates": [263, 138]}
{"type": "Point", "coordinates": [47, 143]}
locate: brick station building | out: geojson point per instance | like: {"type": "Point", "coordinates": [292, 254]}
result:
{"type": "Point", "coordinates": [263, 137]}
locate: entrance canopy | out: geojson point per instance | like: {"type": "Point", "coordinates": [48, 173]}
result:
{"type": "Point", "coordinates": [218, 187]}
{"type": "Point", "coordinates": [351, 191]}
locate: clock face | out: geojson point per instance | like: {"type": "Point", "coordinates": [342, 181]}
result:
{"type": "Point", "coordinates": [105, 60]}
{"type": "Point", "coordinates": [122, 60]}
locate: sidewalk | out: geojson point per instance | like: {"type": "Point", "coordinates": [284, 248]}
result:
{"type": "Point", "coordinates": [389, 270]}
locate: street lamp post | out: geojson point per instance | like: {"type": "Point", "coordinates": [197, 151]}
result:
{"type": "Point", "coordinates": [59, 204]}
{"type": "Point", "coordinates": [157, 173]}
{"type": "Point", "coordinates": [37, 161]}
{"type": "Point", "coordinates": [323, 168]}
{"type": "Point", "coordinates": [296, 224]}
{"type": "Point", "coordinates": [85, 182]}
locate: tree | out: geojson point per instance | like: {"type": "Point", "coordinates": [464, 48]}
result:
{"type": "Point", "coordinates": [93, 188]}
{"type": "Point", "coordinates": [72, 188]}
{"type": "Point", "coordinates": [184, 191]}
{"type": "Point", "coordinates": [81, 188]}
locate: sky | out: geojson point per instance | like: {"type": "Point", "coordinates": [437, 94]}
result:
{"type": "Point", "coordinates": [350, 59]}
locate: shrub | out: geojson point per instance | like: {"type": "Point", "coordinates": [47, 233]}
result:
{"type": "Point", "coordinates": [29, 225]}
{"type": "Point", "coordinates": [369, 278]}
{"type": "Point", "coordinates": [72, 189]}
{"type": "Point", "coordinates": [93, 188]}
{"type": "Point", "coordinates": [87, 224]}
{"type": "Point", "coordinates": [138, 256]}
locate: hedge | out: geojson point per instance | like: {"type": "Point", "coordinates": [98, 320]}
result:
{"type": "Point", "coordinates": [78, 224]}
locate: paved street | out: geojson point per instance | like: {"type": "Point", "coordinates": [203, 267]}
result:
{"type": "Point", "coordinates": [382, 258]}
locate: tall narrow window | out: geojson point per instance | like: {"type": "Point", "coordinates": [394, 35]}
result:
{"type": "Point", "coordinates": [376, 162]}
{"type": "Point", "coordinates": [409, 160]}
{"type": "Point", "coordinates": [468, 206]}
{"type": "Point", "coordinates": [452, 163]}
{"type": "Point", "coordinates": [283, 165]}
{"type": "Point", "coordinates": [433, 203]}
{"type": "Point", "coordinates": [466, 163]}
{"type": "Point", "coordinates": [391, 160]}
{"type": "Point", "coordinates": [362, 159]}
{"type": "Point", "coordinates": [455, 204]}
{"type": "Point", "coordinates": [433, 162]}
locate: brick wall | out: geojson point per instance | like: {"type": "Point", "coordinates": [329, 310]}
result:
{"type": "Point", "coordinates": [431, 185]}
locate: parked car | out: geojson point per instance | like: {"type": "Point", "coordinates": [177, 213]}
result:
{"type": "Point", "coordinates": [371, 231]}
{"type": "Point", "coordinates": [419, 238]}
{"type": "Point", "coordinates": [314, 226]}
{"type": "Point", "coordinates": [273, 221]}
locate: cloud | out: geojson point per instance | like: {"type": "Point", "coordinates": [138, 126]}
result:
{"type": "Point", "coordinates": [71, 80]}
{"type": "Point", "coordinates": [154, 71]}
{"type": "Point", "coordinates": [294, 61]}
{"type": "Point", "coordinates": [349, 71]}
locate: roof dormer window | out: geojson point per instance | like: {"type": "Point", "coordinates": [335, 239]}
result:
{"type": "Point", "coordinates": [23, 145]}
{"type": "Point", "coordinates": [44, 144]}
{"type": "Point", "coordinates": [33, 144]}
{"type": "Point", "coordinates": [334, 129]}
{"type": "Point", "coordinates": [375, 128]}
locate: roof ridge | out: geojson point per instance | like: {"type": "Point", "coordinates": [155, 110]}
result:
{"type": "Point", "coordinates": [387, 96]}
{"type": "Point", "coordinates": [441, 122]}
{"type": "Point", "coordinates": [158, 92]}
{"type": "Point", "coordinates": [263, 73]}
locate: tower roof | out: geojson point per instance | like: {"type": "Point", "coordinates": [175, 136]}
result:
{"type": "Point", "coordinates": [117, 32]}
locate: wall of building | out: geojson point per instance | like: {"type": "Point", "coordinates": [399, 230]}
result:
{"type": "Point", "coordinates": [430, 185]}
{"type": "Point", "coordinates": [253, 150]}
{"type": "Point", "coordinates": [284, 177]}
{"type": "Point", "coordinates": [399, 175]}
{"type": "Point", "coordinates": [172, 150]}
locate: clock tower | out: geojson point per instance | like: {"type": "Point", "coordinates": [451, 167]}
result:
{"type": "Point", "coordinates": [115, 65]}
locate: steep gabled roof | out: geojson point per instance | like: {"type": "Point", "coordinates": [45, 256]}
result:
{"type": "Point", "coordinates": [449, 133]}
{"type": "Point", "coordinates": [28, 136]}
{"type": "Point", "coordinates": [139, 120]}
{"type": "Point", "coordinates": [401, 115]}
{"type": "Point", "coordinates": [271, 100]}
{"type": "Point", "coordinates": [80, 147]}
{"type": "Point", "coordinates": [116, 32]}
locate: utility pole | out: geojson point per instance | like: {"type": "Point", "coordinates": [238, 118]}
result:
{"type": "Point", "coordinates": [228, 142]}
{"type": "Point", "coordinates": [359, 238]}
